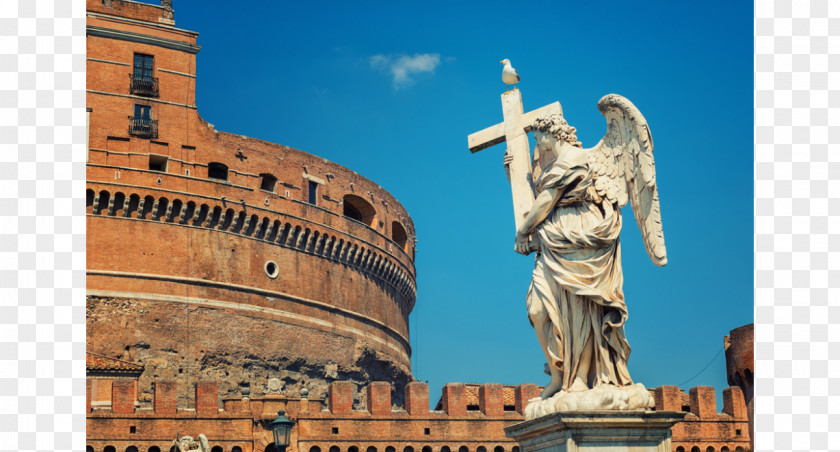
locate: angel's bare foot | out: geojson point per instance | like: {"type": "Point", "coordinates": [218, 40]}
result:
{"type": "Point", "coordinates": [553, 386]}
{"type": "Point", "coordinates": [579, 386]}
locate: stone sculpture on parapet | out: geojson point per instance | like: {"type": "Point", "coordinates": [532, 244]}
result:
{"type": "Point", "coordinates": [567, 209]}
{"type": "Point", "coordinates": [188, 444]}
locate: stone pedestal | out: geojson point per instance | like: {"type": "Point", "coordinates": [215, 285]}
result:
{"type": "Point", "coordinates": [597, 431]}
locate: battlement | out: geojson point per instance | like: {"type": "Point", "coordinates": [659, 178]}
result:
{"type": "Point", "coordinates": [493, 400]}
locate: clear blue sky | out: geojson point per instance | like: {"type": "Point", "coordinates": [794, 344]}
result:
{"type": "Point", "coordinates": [392, 90]}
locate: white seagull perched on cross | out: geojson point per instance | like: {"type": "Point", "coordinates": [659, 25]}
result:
{"type": "Point", "coordinates": [509, 74]}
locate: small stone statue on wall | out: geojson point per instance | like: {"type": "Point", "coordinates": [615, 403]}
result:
{"type": "Point", "coordinates": [188, 444]}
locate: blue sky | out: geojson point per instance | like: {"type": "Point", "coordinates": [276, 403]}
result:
{"type": "Point", "coordinates": [392, 90]}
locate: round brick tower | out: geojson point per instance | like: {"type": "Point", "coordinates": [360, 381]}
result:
{"type": "Point", "coordinates": [213, 255]}
{"type": "Point", "coordinates": [740, 365]}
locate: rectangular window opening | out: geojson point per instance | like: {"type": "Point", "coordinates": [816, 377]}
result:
{"type": "Point", "coordinates": [427, 431]}
{"type": "Point", "coordinates": [158, 162]}
{"type": "Point", "coordinates": [335, 430]}
{"type": "Point", "coordinates": [313, 193]}
{"type": "Point", "coordinates": [132, 429]}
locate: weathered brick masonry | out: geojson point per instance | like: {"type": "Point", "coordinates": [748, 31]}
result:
{"type": "Point", "coordinates": [205, 247]}
{"type": "Point", "coordinates": [218, 261]}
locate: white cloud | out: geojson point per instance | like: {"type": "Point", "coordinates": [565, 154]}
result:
{"type": "Point", "coordinates": [403, 68]}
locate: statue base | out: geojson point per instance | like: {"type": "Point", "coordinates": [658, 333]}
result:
{"type": "Point", "coordinates": [597, 431]}
{"type": "Point", "coordinates": [603, 397]}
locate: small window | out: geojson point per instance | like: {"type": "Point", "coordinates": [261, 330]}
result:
{"type": "Point", "coordinates": [738, 432]}
{"type": "Point", "coordinates": [143, 66]}
{"type": "Point", "coordinates": [216, 170]}
{"type": "Point", "coordinates": [158, 162]}
{"type": "Point", "coordinates": [133, 429]}
{"type": "Point", "coordinates": [427, 431]}
{"type": "Point", "coordinates": [313, 193]}
{"type": "Point", "coordinates": [143, 112]}
{"type": "Point", "coordinates": [335, 430]}
{"type": "Point", "coordinates": [267, 182]}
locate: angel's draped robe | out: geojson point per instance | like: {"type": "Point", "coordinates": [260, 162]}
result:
{"type": "Point", "coordinates": [577, 281]}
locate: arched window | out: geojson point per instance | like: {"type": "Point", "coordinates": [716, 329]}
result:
{"type": "Point", "coordinates": [110, 449]}
{"type": "Point", "coordinates": [89, 207]}
{"type": "Point", "coordinates": [352, 449]}
{"type": "Point", "coordinates": [359, 209]}
{"type": "Point", "coordinates": [515, 449]}
{"type": "Point", "coordinates": [334, 449]}
{"type": "Point", "coordinates": [680, 449]}
{"type": "Point", "coordinates": [481, 449]}
{"type": "Point", "coordinates": [408, 449]}
{"type": "Point", "coordinates": [131, 449]}
{"type": "Point", "coordinates": [314, 449]}
{"type": "Point", "coordinates": [724, 449]}
{"type": "Point", "coordinates": [216, 449]}
{"type": "Point", "coordinates": [270, 448]}
{"type": "Point", "coordinates": [445, 449]}
{"type": "Point", "coordinates": [695, 449]}
{"type": "Point", "coordinates": [739, 449]}
{"type": "Point", "coordinates": [371, 449]}
{"type": "Point", "coordinates": [236, 449]}
{"type": "Point", "coordinates": [498, 449]}
{"type": "Point", "coordinates": [398, 234]}
{"type": "Point", "coordinates": [390, 449]}
{"type": "Point", "coordinates": [427, 449]}
{"type": "Point", "coordinates": [89, 448]}
{"type": "Point", "coordinates": [267, 182]}
{"type": "Point", "coordinates": [154, 449]}
{"type": "Point", "coordinates": [710, 449]}
{"type": "Point", "coordinates": [216, 170]}
{"type": "Point", "coordinates": [463, 449]}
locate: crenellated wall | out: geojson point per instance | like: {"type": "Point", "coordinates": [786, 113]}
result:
{"type": "Point", "coordinates": [334, 421]}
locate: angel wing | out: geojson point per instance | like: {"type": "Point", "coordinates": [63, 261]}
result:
{"type": "Point", "coordinates": [203, 443]}
{"type": "Point", "coordinates": [622, 166]}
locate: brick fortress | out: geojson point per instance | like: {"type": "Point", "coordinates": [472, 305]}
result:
{"type": "Point", "coordinates": [205, 248]}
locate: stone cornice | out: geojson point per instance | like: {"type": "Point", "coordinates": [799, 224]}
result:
{"type": "Point", "coordinates": [142, 39]}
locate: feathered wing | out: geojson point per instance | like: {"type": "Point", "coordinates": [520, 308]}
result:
{"type": "Point", "coordinates": [203, 443]}
{"type": "Point", "coordinates": [622, 166]}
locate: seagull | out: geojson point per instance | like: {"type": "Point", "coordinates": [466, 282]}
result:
{"type": "Point", "coordinates": [509, 74]}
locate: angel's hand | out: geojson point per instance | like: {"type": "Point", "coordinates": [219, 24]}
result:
{"type": "Point", "coordinates": [508, 158]}
{"type": "Point", "coordinates": [522, 244]}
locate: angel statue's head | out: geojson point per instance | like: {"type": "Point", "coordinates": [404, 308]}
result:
{"type": "Point", "coordinates": [557, 127]}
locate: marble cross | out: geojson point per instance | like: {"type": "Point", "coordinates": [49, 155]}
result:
{"type": "Point", "coordinates": [514, 131]}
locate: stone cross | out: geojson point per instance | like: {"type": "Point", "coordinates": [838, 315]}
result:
{"type": "Point", "coordinates": [514, 130]}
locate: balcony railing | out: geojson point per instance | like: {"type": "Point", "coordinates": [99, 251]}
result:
{"type": "Point", "coordinates": [142, 127]}
{"type": "Point", "coordinates": [144, 86]}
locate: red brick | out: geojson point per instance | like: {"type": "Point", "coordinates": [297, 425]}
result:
{"type": "Point", "coordinates": [702, 401]}
{"type": "Point", "coordinates": [206, 397]}
{"type": "Point", "coordinates": [490, 400]}
{"type": "Point", "coordinates": [454, 399]}
{"type": "Point", "coordinates": [668, 398]}
{"type": "Point", "coordinates": [417, 398]}
{"type": "Point", "coordinates": [379, 398]}
{"type": "Point", "coordinates": [341, 397]}
{"type": "Point", "coordinates": [165, 397]}
{"type": "Point", "coordinates": [523, 393]}
{"type": "Point", "coordinates": [123, 395]}
{"type": "Point", "coordinates": [733, 403]}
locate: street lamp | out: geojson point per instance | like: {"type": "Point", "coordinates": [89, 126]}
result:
{"type": "Point", "coordinates": [281, 428]}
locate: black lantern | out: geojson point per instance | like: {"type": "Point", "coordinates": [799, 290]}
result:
{"type": "Point", "coordinates": [281, 428]}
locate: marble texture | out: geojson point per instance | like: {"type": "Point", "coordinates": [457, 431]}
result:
{"type": "Point", "coordinates": [597, 431]}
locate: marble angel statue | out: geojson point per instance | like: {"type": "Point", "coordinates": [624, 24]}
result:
{"type": "Point", "coordinates": [575, 301]}
{"type": "Point", "coordinates": [188, 444]}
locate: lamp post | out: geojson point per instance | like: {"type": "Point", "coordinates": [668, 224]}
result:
{"type": "Point", "coordinates": [281, 427]}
